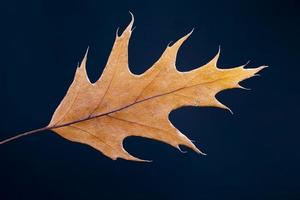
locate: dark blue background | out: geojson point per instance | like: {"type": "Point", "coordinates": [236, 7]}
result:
{"type": "Point", "coordinates": [253, 154]}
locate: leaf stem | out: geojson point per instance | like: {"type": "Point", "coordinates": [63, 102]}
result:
{"type": "Point", "coordinates": [25, 134]}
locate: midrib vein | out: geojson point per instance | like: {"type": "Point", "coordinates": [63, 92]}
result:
{"type": "Point", "coordinates": [132, 104]}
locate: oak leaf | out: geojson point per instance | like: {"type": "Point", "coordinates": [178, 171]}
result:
{"type": "Point", "coordinates": [121, 104]}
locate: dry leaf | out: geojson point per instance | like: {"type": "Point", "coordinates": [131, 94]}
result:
{"type": "Point", "coordinates": [121, 104]}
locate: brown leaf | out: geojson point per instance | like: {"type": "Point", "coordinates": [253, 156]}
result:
{"type": "Point", "coordinates": [122, 104]}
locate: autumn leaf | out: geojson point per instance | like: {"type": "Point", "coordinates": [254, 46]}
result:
{"type": "Point", "coordinates": [121, 104]}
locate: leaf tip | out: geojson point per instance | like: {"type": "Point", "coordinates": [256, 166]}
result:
{"type": "Point", "coordinates": [242, 87]}
{"type": "Point", "coordinates": [180, 41]}
{"type": "Point", "coordinates": [258, 69]}
{"type": "Point", "coordinates": [263, 67]}
{"type": "Point", "coordinates": [83, 63]}
{"type": "Point", "coordinates": [193, 146]}
{"type": "Point", "coordinates": [129, 27]}
{"type": "Point", "coordinates": [190, 33]}
{"type": "Point", "coordinates": [178, 147]}
{"type": "Point", "coordinates": [228, 109]}
{"type": "Point", "coordinates": [247, 63]}
{"type": "Point", "coordinates": [200, 152]}
{"type": "Point", "coordinates": [117, 32]}
{"type": "Point", "coordinates": [214, 62]}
